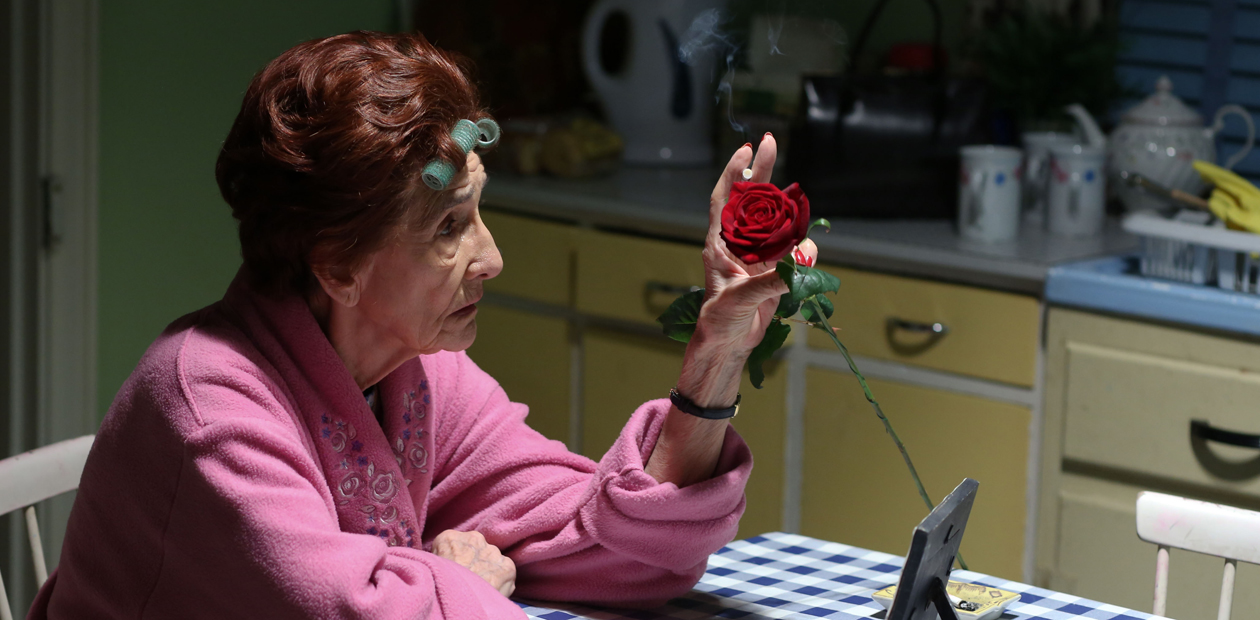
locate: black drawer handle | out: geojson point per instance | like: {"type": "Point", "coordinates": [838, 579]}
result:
{"type": "Point", "coordinates": [939, 329]}
{"type": "Point", "coordinates": [654, 286]}
{"type": "Point", "coordinates": [896, 325]}
{"type": "Point", "coordinates": [1201, 429]}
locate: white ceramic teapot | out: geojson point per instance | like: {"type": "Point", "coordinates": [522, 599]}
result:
{"type": "Point", "coordinates": [1159, 139]}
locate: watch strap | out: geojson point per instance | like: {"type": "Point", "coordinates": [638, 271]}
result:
{"type": "Point", "coordinates": [685, 405]}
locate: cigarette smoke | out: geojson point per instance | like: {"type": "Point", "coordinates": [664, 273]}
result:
{"type": "Point", "coordinates": [708, 34]}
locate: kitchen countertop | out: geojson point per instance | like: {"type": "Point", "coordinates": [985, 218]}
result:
{"type": "Point", "coordinates": [674, 203]}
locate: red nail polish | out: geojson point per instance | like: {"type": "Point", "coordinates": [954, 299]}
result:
{"type": "Point", "coordinates": [748, 144]}
{"type": "Point", "coordinates": [764, 137]}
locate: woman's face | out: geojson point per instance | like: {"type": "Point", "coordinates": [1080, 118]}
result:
{"type": "Point", "coordinates": [420, 289]}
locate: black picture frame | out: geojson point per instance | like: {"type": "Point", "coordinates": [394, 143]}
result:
{"type": "Point", "coordinates": [921, 593]}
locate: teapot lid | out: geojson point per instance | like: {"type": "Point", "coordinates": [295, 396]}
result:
{"type": "Point", "coordinates": [1163, 108]}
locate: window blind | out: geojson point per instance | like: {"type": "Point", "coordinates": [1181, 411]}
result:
{"type": "Point", "coordinates": [1210, 49]}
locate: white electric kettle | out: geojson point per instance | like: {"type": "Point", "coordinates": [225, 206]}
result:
{"type": "Point", "coordinates": [660, 102]}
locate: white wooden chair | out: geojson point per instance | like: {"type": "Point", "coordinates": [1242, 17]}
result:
{"type": "Point", "coordinates": [1202, 527]}
{"type": "Point", "coordinates": [32, 477]}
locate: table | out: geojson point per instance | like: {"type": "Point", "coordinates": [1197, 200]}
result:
{"type": "Point", "coordinates": [779, 575]}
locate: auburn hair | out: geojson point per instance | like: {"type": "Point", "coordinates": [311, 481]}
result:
{"type": "Point", "coordinates": [323, 162]}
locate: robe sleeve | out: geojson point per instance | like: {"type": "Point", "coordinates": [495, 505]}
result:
{"type": "Point", "coordinates": [252, 532]}
{"type": "Point", "coordinates": [605, 533]}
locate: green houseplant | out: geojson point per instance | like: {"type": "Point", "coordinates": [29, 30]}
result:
{"type": "Point", "coordinates": [1035, 63]}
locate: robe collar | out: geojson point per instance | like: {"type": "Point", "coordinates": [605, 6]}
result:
{"type": "Point", "coordinates": [376, 475]}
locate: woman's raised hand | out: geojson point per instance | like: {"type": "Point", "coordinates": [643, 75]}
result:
{"type": "Point", "coordinates": [739, 303]}
{"type": "Point", "coordinates": [740, 298]}
{"type": "Point", "coordinates": [470, 550]}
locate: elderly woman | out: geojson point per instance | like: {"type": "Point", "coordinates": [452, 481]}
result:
{"type": "Point", "coordinates": [316, 444]}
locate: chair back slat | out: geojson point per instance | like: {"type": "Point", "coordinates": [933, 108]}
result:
{"type": "Point", "coordinates": [34, 476]}
{"type": "Point", "coordinates": [1227, 590]}
{"type": "Point", "coordinates": [1161, 581]}
{"type": "Point", "coordinates": [5, 612]}
{"type": "Point", "coordinates": [1202, 527]}
{"type": "Point", "coordinates": [37, 547]}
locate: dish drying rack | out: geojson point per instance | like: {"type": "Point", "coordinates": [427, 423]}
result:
{"type": "Point", "coordinates": [1195, 248]}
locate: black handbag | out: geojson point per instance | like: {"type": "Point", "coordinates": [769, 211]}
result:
{"type": "Point", "coordinates": [885, 146]}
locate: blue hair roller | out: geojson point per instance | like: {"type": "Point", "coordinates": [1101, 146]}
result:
{"type": "Point", "coordinates": [484, 133]}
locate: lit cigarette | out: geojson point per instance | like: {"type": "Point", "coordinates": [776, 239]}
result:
{"type": "Point", "coordinates": [747, 173]}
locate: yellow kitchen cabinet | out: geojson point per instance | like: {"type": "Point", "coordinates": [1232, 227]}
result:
{"type": "Point", "coordinates": [1127, 391]}
{"type": "Point", "coordinates": [1100, 556]}
{"type": "Point", "coordinates": [624, 370]}
{"type": "Point", "coordinates": [855, 486]}
{"type": "Point", "coordinates": [537, 258]}
{"type": "Point", "coordinates": [621, 371]}
{"type": "Point", "coordinates": [528, 354]}
{"type": "Point", "coordinates": [1120, 395]}
{"type": "Point", "coordinates": [991, 335]}
{"type": "Point", "coordinates": [631, 278]}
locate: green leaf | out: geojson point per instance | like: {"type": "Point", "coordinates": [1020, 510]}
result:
{"type": "Point", "coordinates": [786, 268]}
{"type": "Point", "coordinates": [787, 307]}
{"type": "Point", "coordinates": [827, 307]}
{"type": "Point", "coordinates": [776, 334]}
{"type": "Point", "coordinates": [809, 314]}
{"type": "Point", "coordinates": [679, 320]}
{"type": "Point", "coordinates": [805, 282]}
{"type": "Point", "coordinates": [822, 221]}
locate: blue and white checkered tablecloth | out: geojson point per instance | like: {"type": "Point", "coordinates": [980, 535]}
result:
{"type": "Point", "coordinates": [781, 575]}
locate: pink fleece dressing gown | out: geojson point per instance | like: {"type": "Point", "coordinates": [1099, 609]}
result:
{"type": "Point", "coordinates": [241, 474]}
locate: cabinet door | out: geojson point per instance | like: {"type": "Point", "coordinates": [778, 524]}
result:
{"type": "Point", "coordinates": [855, 486]}
{"type": "Point", "coordinates": [537, 258]}
{"type": "Point", "coordinates": [622, 371]}
{"type": "Point", "coordinates": [1100, 557]}
{"type": "Point", "coordinates": [529, 356]}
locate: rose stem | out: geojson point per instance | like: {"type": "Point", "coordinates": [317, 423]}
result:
{"type": "Point", "coordinates": [870, 398]}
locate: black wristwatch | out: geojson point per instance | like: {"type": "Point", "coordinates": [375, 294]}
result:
{"type": "Point", "coordinates": [685, 405]}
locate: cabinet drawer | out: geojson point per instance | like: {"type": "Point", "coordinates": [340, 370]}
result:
{"type": "Point", "coordinates": [537, 258]}
{"type": "Point", "coordinates": [1130, 391]}
{"type": "Point", "coordinates": [990, 335]}
{"type": "Point", "coordinates": [631, 278]}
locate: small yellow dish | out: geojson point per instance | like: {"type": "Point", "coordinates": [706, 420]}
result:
{"type": "Point", "coordinates": [990, 602]}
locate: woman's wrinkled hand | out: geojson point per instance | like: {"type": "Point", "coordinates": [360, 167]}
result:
{"type": "Point", "coordinates": [470, 550]}
{"type": "Point", "coordinates": [740, 298]}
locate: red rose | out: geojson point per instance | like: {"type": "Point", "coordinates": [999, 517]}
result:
{"type": "Point", "coordinates": [760, 222]}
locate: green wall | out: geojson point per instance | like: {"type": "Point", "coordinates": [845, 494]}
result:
{"type": "Point", "coordinates": [172, 75]}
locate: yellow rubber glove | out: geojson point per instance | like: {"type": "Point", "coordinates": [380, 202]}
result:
{"type": "Point", "coordinates": [1235, 200]}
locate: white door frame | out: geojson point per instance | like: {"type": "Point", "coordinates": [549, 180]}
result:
{"type": "Point", "coordinates": [52, 337]}
{"type": "Point", "coordinates": [20, 310]}
{"type": "Point", "coordinates": [67, 265]}
{"type": "Point", "coordinates": [67, 269]}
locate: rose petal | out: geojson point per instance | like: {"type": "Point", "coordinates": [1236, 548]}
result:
{"type": "Point", "coordinates": [760, 222]}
